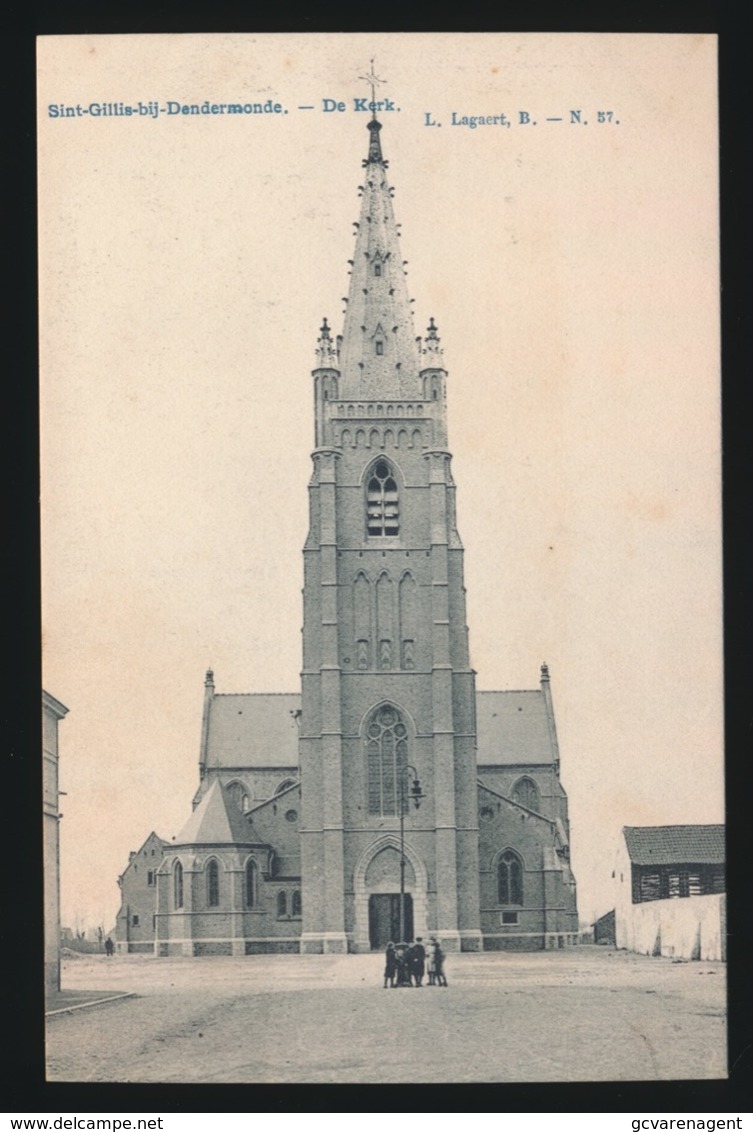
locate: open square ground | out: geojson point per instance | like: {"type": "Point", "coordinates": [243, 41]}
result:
{"type": "Point", "coordinates": [585, 1014]}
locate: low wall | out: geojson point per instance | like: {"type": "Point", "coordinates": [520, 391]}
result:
{"type": "Point", "coordinates": [528, 941]}
{"type": "Point", "coordinates": [693, 927]}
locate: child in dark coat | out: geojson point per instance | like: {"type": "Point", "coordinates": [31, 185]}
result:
{"type": "Point", "coordinates": [390, 965]}
{"type": "Point", "coordinates": [439, 964]}
{"type": "Point", "coordinates": [418, 961]}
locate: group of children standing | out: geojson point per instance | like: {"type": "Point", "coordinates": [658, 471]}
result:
{"type": "Point", "coordinates": [406, 964]}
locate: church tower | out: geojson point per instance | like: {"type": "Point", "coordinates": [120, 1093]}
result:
{"type": "Point", "coordinates": [388, 693]}
{"type": "Point", "coordinates": [304, 831]}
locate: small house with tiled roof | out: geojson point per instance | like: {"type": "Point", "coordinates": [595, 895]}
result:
{"type": "Point", "coordinates": [670, 891]}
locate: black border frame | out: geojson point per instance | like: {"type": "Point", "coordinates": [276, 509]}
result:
{"type": "Point", "coordinates": [25, 1088]}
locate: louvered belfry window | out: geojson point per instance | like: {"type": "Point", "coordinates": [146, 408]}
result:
{"type": "Point", "coordinates": [382, 502]}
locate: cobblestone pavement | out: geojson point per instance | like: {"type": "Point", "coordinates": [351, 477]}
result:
{"type": "Point", "coordinates": [584, 1014]}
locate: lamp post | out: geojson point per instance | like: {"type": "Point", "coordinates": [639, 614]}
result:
{"type": "Point", "coordinates": [416, 795]}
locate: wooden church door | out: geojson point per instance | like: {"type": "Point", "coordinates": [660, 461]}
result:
{"type": "Point", "coordinates": [384, 919]}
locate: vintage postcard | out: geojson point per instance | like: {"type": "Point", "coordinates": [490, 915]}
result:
{"type": "Point", "coordinates": [380, 438]}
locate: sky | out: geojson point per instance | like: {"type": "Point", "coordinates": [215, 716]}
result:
{"type": "Point", "coordinates": [571, 266]}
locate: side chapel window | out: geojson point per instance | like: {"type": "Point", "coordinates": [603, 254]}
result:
{"type": "Point", "coordinates": [251, 883]}
{"type": "Point", "coordinates": [381, 501]}
{"type": "Point", "coordinates": [510, 878]}
{"type": "Point", "coordinates": [178, 885]}
{"type": "Point", "coordinates": [213, 883]}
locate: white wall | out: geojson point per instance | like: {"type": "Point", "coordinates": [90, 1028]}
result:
{"type": "Point", "coordinates": [692, 927]}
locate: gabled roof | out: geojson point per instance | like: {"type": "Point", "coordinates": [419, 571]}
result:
{"type": "Point", "coordinates": [254, 730]}
{"type": "Point", "coordinates": [675, 844]}
{"type": "Point", "coordinates": [133, 856]}
{"type": "Point", "coordinates": [215, 821]}
{"type": "Point", "coordinates": [156, 837]}
{"type": "Point", "coordinates": [260, 730]}
{"type": "Point", "coordinates": [512, 728]}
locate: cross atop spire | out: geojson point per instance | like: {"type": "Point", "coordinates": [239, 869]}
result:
{"type": "Point", "coordinates": [375, 148]}
{"type": "Point", "coordinates": [372, 79]}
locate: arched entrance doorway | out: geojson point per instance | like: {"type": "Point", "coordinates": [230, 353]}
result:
{"type": "Point", "coordinates": [377, 895]}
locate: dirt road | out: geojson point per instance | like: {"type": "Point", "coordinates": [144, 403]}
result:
{"type": "Point", "coordinates": [586, 1014]}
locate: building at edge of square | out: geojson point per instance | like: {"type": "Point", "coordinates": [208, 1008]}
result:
{"type": "Point", "coordinates": [53, 711]}
{"type": "Point", "coordinates": [294, 840]}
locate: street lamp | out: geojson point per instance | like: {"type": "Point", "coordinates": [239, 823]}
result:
{"type": "Point", "coordinates": [416, 795]}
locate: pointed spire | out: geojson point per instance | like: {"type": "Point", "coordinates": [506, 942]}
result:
{"type": "Point", "coordinates": [379, 355]}
{"type": "Point", "coordinates": [431, 349]}
{"type": "Point", "coordinates": [208, 697]}
{"type": "Point", "coordinates": [326, 351]}
{"type": "Point", "coordinates": [375, 146]}
{"type": "Point", "coordinates": [546, 689]}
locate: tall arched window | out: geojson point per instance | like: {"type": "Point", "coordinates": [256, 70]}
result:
{"type": "Point", "coordinates": [178, 885]}
{"type": "Point", "coordinates": [251, 883]}
{"type": "Point", "coordinates": [526, 792]}
{"type": "Point", "coordinates": [282, 904]}
{"type": "Point", "coordinates": [296, 902]}
{"type": "Point", "coordinates": [286, 782]}
{"type": "Point", "coordinates": [386, 755]}
{"type": "Point", "coordinates": [510, 878]}
{"type": "Point", "coordinates": [240, 795]}
{"type": "Point", "coordinates": [213, 883]}
{"type": "Point", "coordinates": [381, 501]}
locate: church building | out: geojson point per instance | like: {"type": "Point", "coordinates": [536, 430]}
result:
{"type": "Point", "coordinates": [388, 771]}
